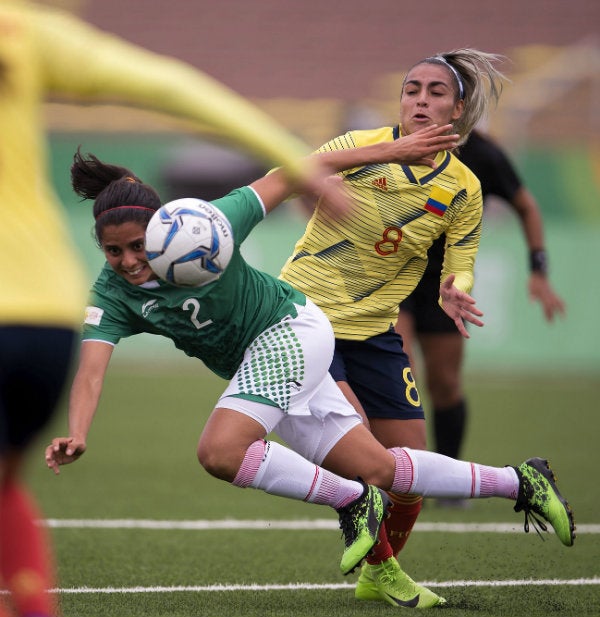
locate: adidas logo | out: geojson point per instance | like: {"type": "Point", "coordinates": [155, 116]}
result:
{"type": "Point", "coordinates": [380, 183]}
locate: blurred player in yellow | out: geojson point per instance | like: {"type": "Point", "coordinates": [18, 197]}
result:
{"type": "Point", "coordinates": [47, 52]}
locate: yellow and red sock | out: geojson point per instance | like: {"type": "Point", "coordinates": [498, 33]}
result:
{"type": "Point", "coordinates": [403, 514]}
{"type": "Point", "coordinates": [25, 564]}
{"type": "Point", "coordinates": [382, 550]}
{"type": "Point", "coordinates": [3, 610]}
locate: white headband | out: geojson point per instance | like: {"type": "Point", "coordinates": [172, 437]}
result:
{"type": "Point", "coordinates": [461, 87]}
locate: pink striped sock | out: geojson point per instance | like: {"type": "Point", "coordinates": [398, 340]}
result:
{"type": "Point", "coordinates": [277, 470]}
{"type": "Point", "coordinates": [249, 467]}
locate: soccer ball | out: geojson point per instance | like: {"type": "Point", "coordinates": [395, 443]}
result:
{"type": "Point", "coordinates": [188, 243]}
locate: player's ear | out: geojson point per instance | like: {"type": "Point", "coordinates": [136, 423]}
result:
{"type": "Point", "coordinates": [459, 108]}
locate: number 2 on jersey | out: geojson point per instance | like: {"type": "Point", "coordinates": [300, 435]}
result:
{"type": "Point", "coordinates": [192, 304]}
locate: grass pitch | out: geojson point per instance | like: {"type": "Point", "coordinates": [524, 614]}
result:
{"type": "Point", "coordinates": [141, 466]}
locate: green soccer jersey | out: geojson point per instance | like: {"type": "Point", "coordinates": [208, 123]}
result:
{"type": "Point", "coordinates": [214, 323]}
{"type": "Point", "coordinates": [357, 270]}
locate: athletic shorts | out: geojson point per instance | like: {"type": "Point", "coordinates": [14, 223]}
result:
{"type": "Point", "coordinates": [428, 315]}
{"type": "Point", "coordinates": [284, 384]}
{"type": "Point", "coordinates": [378, 371]}
{"type": "Point", "coordinates": [310, 436]}
{"type": "Point", "coordinates": [34, 366]}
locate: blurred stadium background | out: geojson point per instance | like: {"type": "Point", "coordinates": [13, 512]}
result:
{"type": "Point", "coordinates": [320, 67]}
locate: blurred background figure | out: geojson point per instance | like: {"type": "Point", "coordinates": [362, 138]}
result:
{"type": "Point", "coordinates": [46, 52]}
{"type": "Point", "coordinates": [421, 321]}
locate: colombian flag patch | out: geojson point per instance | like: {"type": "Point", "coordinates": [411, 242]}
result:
{"type": "Point", "coordinates": [439, 200]}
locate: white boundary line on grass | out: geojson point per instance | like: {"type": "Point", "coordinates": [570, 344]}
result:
{"type": "Point", "coordinates": [316, 524]}
{"type": "Point", "coordinates": [310, 586]}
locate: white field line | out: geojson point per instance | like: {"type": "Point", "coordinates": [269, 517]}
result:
{"type": "Point", "coordinates": [316, 524]}
{"type": "Point", "coordinates": [309, 586]}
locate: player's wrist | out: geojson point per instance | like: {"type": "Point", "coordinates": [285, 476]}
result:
{"type": "Point", "coordinates": [538, 261]}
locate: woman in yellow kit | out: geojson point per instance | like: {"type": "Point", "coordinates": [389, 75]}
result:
{"type": "Point", "coordinates": [358, 270]}
{"type": "Point", "coordinates": [42, 290]}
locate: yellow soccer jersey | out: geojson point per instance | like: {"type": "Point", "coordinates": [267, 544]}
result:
{"type": "Point", "coordinates": [45, 52]}
{"type": "Point", "coordinates": [358, 270]}
{"type": "Point", "coordinates": [40, 278]}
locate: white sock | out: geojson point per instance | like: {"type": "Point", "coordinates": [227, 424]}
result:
{"type": "Point", "coordinates": [435, 475]}
{"type": "Point", "coordinates": [278, 470]}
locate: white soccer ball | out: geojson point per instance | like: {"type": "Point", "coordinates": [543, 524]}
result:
{"type": "Point", "coordinates": [189, 243]}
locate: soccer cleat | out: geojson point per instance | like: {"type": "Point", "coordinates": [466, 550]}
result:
{"type": "Point", "coordinates": [389, 583]}
{"type": "Point", "coordinates": [360, 522]}
{"type": "Point", "coordinates": [538, 494]}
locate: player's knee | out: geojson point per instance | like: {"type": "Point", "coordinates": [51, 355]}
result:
{"type": "Point", "coordinates": [444, 392]}
{"type": "Point", "coordinates": [380, 471]}
{"type": "Point", "coordinates": [215, 461]}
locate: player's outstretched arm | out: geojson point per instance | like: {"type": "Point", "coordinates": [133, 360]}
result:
{"type": "Point", "coordinates": [83, 402]}
{"type": "Point", "coordinates": [418, 148]}
{"type": "Point", "coordinates": [539, 286]}
{"type": "Point", "coordinates": [120, 71]}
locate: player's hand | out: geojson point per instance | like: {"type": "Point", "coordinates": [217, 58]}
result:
{"type": "Point", "coordinates": [334, 199]}
{"type": "Point", "coordinates": [326, 187]}
{"type": "Point", "coordinates": [459, 306]}
{"type": "Point", "coordinates": [62, 451]}
{"type": "Point", "coordinates": [420, 147]}
{"type": "Point", "coordinates": [541, 291]}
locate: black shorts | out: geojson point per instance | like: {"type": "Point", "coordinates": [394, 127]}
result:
{"type": "Point", "coordinates": [422, 304]}
{"type": "Point", "coordinates": [34, 366]}
{"type": "Point", "coordinates": [378, 371]}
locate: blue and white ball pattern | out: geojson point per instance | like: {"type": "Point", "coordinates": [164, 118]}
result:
{"type": "Point", "coordinates": [189, 243]}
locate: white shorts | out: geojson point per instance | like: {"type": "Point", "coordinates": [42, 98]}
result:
{"type": "Point", "coordinates": [288, 365]}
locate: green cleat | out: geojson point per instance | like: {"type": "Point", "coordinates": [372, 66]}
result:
{"type": "Point", "coordinates": [387, 582]}
{"type": "Point", "coordinates": [360, 522]}
{"type": "Point", "coordinates": [538, 493]}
